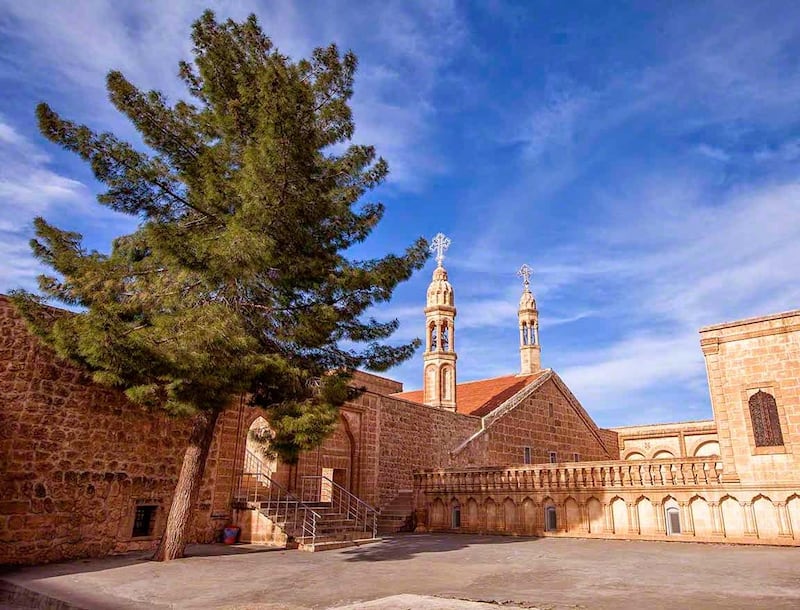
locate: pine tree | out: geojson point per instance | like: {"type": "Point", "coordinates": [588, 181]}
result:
{"type": "Point", "coordinates": [237, 278]}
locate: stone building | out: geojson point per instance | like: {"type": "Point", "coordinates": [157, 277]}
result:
{"type": "Point", "coordinates": [735, 478]}
{"type": "Point", "coordinates": [84, 473]}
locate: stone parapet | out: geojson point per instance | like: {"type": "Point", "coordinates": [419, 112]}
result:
{"type": "Point", "coordinates": [677, 500]}
{"type": "Point", "coordinates": [616, 474]}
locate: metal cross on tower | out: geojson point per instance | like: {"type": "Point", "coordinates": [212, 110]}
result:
{"type": "Point", "coordinates": [525, 272]}
{"type": "Point", "coordinates": [439, 244]}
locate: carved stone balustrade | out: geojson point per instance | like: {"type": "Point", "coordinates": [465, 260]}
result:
{"type": "Point", "coordinates": [700, 472]}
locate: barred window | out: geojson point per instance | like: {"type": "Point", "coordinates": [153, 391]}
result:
{"type": "Point", "coordinates": [764, 416]}
{"type": "Point", "coordinates": [144, 520]}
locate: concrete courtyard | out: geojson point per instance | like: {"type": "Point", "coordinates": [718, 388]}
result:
{"type": "Point", "coordinates": [434, 572]}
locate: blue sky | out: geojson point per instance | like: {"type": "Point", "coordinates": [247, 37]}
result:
{"type": "Point", "coordinates": [641, 157]}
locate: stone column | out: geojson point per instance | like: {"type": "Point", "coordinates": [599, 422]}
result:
{"type": "Point", "coordinates": [717, 526]}
{"type": "Point", "coordinates": [609, 518]}
{"type": "Point", "coordinates": [750, 528]}
{"type": "Point", "coordinates": [784, 523]}
{"type": "Point", "coordinates": [633, 518]}
{"type": "Point", "coordinates": [538, 517]}
{"type": "Point", "coordinates": [661, 526]}
{"type": "Point", "coordinates": [687, 519]}
{"type": "Point", "coordinates": [584, 512]}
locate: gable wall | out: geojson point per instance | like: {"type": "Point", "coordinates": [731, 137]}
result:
{"type": "Point", "coordinates": [545, 421]}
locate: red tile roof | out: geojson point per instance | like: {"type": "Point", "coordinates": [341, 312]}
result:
{"type": "Point", "coordinates": [483, 396]}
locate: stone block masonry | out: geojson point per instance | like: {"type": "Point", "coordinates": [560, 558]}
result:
{"type": "Point", "coordinates": [77, 459]}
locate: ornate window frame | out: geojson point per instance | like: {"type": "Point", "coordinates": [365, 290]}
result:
{"type": "Point", "coordinates": [770, 387]}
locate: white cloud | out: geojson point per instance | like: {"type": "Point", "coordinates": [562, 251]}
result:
{"type": "Point", "coordinates": [609, 376]}
{"type": "Point", "coordinates": [70, 47]}
{"type": "Point", "coordinates": [713, 152]}
{"type": "Point", "coordinates": [786, 151]}
{"type": "Point", "coordinates": [28, 187]}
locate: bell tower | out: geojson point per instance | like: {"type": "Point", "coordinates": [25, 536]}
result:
{"type": "Point", "coordinates": [530, 352]}
{"type": "Point", "coordinates": [439, 369]}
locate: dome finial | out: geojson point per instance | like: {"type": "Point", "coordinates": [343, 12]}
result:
{"type": "Point", "coordinates": [439, 244]}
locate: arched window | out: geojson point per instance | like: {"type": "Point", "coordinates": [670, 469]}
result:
{"type": "Point", "coordinates": [456, 516]}
{"type": "Point", "coordinates": [524, 333]}
{"type": "Point", "coordinates": [550, 519]}
{"type": "Point", "coordinates": [764, 416]}
{"type": "Point", "coordinates": [673, 521]}
{"type": "Point", "coordinates": [432, 341]}
{"type": "Point", "coordinates": [445, 338]}
{"type": "Point", "coordinates": [430, 382]}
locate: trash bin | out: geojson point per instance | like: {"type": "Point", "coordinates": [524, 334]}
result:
{"type": "Point", "coordinates": [231, 535]}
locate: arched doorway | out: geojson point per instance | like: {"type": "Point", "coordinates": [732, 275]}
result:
{"type": "Point", "coordinates": [257, 459]}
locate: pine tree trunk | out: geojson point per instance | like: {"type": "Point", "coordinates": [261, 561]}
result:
{"type": "Point", "coordinates": [175, 537]}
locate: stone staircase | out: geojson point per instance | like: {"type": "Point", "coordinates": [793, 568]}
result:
{"type": "Point", "coordinates": [334, 529]}
{"type": "Point", "coordinates": [283, 518]}
{"type": "Point", "coordinates": [397, 515]}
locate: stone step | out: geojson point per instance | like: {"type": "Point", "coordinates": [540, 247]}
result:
{"type": "Point", "coordinates": [333, 537]}
{"type": "Point", "coordinates": [394, 519]}
{"type": "Point", "coordinates": [335, 544]}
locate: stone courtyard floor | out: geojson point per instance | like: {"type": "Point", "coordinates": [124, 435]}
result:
{"type": "Point", "coordinates": [428, 572]}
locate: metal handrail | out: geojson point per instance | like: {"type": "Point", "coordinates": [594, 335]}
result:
{"type": "Point", "coordinates": [275, 500]}
{"type": "Point", "coordinates": [354, 507]}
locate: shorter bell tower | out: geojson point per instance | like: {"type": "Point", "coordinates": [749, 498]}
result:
{"type": "Point", "coordinates": [530, 352]}
{"type": "Point", "coordinates": [439, 359]}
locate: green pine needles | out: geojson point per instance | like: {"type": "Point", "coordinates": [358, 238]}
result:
{"type": "Point", "coordinates": [236, 279]}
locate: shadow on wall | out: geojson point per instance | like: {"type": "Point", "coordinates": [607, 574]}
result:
{"type": "Point", "coordinates": [407, 546]}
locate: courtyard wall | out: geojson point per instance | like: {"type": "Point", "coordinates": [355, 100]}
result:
{"type": "Point", "coordinates": [616, 499]}
{"type": "Point", "coordinates": [76, 459]}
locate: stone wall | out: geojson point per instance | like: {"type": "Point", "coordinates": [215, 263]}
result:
{"type": "Point", "coordinates": [665, 441]}
{"type": "Point", "coordinates": [549, 420]}
{"type": "Point", "coordinates": [743, 358]}
{"type": "Point", "coordinates": [621, 499]}
{"type": "Point", "coordinates": [413, 437]}
{"type": "Point", "coordinates": [76, 458]}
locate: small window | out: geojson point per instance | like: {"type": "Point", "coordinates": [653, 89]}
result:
{"type": "Point", "coordinates": [550, 409]}
{"type": "Point", "coordinates": [766, 424]}
{"type": "Point", "coordinates": [144, 521]}
{"type": "Point", "coordinates": [550, 519]}
{"type": "Point", "coordinates": [553, 457]}
{"type": "Point", "coordinates": [673, 521]}
{"type": "Point", "coordinates": [576, 457]}
{"type": "Point", "coordinates": [526, 455]}
{"type": "Point", "coordinates": [456, 516]}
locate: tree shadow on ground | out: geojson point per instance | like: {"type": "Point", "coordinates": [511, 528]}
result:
{"type": "Point", "coordinates": [399, 547]}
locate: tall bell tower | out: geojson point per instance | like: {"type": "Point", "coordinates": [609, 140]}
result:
{"type": "Point", "coordinates": [439, 370]}
{"type": "Point", "coordinates": [530, 352]}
